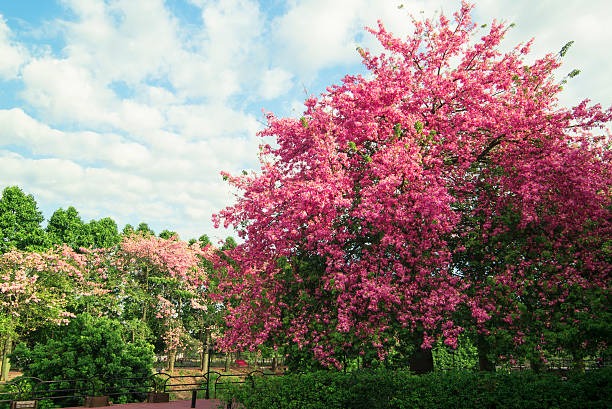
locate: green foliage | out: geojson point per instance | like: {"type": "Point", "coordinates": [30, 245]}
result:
{"type": "Point", "coordinates": [104, 233]}
{"type": "Point", "coordinates": [464, 357]}
{"type": "Point", "coordinates": [300, 359]}
{"type": "Point", "coordinates": [565, 48]}
{"type": "Point", "coordinates": [20, 222]}
{"type": "Point", "coordinates": [145, 230]}
{"type": "Point", "coordinates": [401, 389]}
{"type": "Point", "coordinates": [88, 348]}
{"type": "Point", "coordinates": [168, 234]}
{"type": "Point", "coordinates": [66, 226]}
{"type": "Point", "coordinates": [128, 229]}
{"type": "Point", "coordinates": [204, 240]}
{"type": "Point", "coordinates": [229, 243]}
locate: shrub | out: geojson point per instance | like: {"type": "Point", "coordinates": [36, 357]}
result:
{"type": "Point", "coordinates": [383, 388]}
{"type": "Point", "coordinates": [465, 356]}
{"type": "Point", "coordinates": [93, 349]}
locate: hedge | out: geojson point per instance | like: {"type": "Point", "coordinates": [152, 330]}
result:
{"type": "Point", "coordinates": [401, 389]}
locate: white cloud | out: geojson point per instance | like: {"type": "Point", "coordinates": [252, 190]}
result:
{"type": "Point", "coordinates": [317, 34]}
{"type": "Point", "coordinates": [209, 121]}
{"type": "Point", "coordinates": [129, 40]}
{"type": "Point", "coordinates": [138, 119]}
{"type": "Point", "coordinates": [223, 57]}
{"type": "Point", "coordinates": [552, 25]}
{"type": "Point", "coordinates": [65, 92]}
{"type": "Point", "coordinates": [18, 128]}
{"type": "Point", "coordinates": [314, 35]}
{"type": "Point", "coordinates": [196, 77]}
{"type": "Point", "coordinates": [232, 26]}
{"type": "Point", "coordinates": [274, 83]}
{"type": "Point", "coordinates": [12, 55]}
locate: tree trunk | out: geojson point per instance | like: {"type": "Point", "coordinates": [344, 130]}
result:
{"type": "Point", "coordinates": [204, 364]}
{"type": "Point", "coordinates": [171, 360]}
{"type": "Point", "coordinates": [421, 361]}
{"type": "Point", "coordinates": [536, 365]}
{"type": "Point", "coordinates": [227, 360]}
{"type": "Point", "coordinates": [484, 363]}
{"type": "Point", "coordinates": [6, 365]}
{"type": "Point", "coordinates": [206, 352]}
{"type": "Point", "coordinates": [145, 301]}
{"type": "Point", "coordinates": [202, 351]}
{"type": "Point", "coordinates": [578, 364]}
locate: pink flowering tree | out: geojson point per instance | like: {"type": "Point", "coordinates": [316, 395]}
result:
{"type": "Point", "coordinates": [36, 289]}
{"type": "Point", "coordinates": [539, 271]}
{"type": "Point", "coordinates": [166, 284]}
{"type": "Point", "coordinates": [448, 190]}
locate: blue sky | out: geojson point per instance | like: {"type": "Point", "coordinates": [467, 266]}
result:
{"type": "Point", "coordinates": [131, 108]}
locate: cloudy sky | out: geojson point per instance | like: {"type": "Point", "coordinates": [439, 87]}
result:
{"type": "Point", "coordinates": [131, 108]}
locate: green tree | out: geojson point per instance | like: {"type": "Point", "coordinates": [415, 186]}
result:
{"type": "Point", "coordinates": [20, 222]}
{"type": "Point", "coordinates": [127, 230]}
{"type": "Point", "coordinates": [103, 233]}
{"type": "Point", "coordinates": [465, 356]}
{"type": "Point", "coordinates": [168, 234]}
{"type": "Point", "coordinates": [67, 227]}
{"type": "Point", "coordinates": [204, 240]}
{"type": "Point", "coordinates": [144, 229]}
{"type": "Point", "coordinates": [230, 243]}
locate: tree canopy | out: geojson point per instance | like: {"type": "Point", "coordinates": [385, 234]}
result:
{"type": "Point", "coordinates": [20, 222]}
{"type": "Point", "coordinates": [446, 191]}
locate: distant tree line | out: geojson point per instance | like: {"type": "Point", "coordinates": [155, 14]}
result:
{"type": "Point", "coordinates": [155, 289]}
{"type": "Point", "coordinates": [21, 226]}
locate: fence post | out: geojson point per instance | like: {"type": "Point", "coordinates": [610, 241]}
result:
{"type": "Point", "coordinates": [194, 395]}
{"type": "Point", "coordinates": [208, 374]}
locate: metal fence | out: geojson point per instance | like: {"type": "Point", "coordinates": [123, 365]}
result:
{"type": "Point", "coordinates": [74, 392]}
{"type": "Point", "coordinates": [219, 360]}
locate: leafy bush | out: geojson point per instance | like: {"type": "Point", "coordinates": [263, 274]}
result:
{"type": "Point", "coordinates": [465, 356]}
{"type": "Point", "coordinates": [400, 389]}
{"type": "Point", "coordinates": [92, 349]}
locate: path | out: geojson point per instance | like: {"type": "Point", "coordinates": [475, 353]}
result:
{"type": "Point", "coordinates": [174, 404]}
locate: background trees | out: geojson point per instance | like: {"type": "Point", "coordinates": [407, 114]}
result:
{"type": "Point", "coordinates": [167, 288]}
{"type": "Point", "coordinates": [20, 222]}
{"type": "Point", "coordinates": [103, 233]}
{"type": "Point", "coordinates": [67, 227]}
{"type": "Point", "coordinates": [156, 288]}
{"type": "Point", "coordinates": [36, 291]}
{"type": "Point", "coordinates": [446, 191]}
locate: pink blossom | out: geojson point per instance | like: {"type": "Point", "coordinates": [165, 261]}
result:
{"type": "Point", "coordinates": [447, 179]}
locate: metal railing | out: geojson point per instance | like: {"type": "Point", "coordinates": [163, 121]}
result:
{"type": "Point", "coordinates": [72, 392]}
